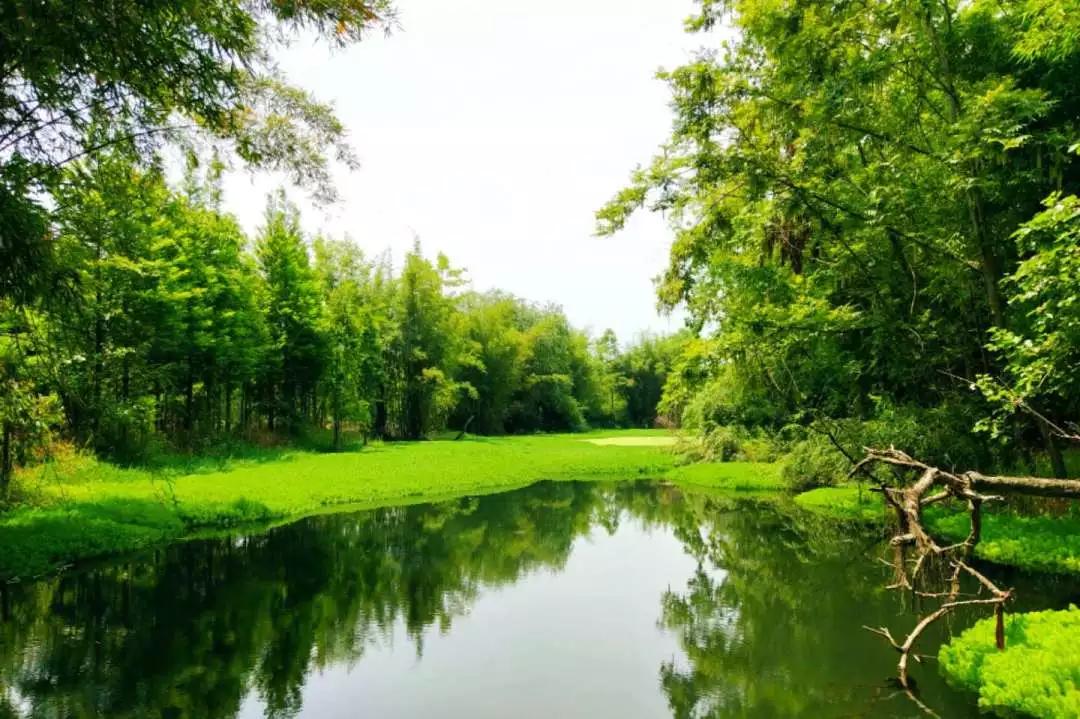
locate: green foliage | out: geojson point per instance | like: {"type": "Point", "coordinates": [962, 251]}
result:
{"type": "Point", "coordinates": [171, 333]}
{"type": "Point", "coordinates": [289, 299]}
{"type": "Point", "coordinates": [1037, 674]}
{"type": "Point", "coordinates": [556, 373]}
{"type": "Point", "coordinates": [430, 347]}
{"type": "Point", "coordinates": [351, 323]}
{"type": "Point", "coordinates": [88, 74]}
{"type": "Point", "coordinates": [81, 77]}
{"type": "Point", "coordinates": [857, 202]}
{"type": "Point", "coordinates": [1041, 348]}
{"type": "Point", "coordinates": [814, 462]}
{"type": "Point", "coordinates": [727, 443]}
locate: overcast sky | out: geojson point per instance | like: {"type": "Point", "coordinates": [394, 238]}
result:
{"type": "Point", "coordinates": [493, 130]}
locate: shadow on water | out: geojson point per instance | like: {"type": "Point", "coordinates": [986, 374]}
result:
{"type": "Point", "coordinates": [766, 626]}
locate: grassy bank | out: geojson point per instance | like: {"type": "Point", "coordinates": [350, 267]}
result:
{"type": "Point", "coordinates": [731, 476]}
{"type": "Point", "coordinates": [1042, 543]}
{"type": "Point", "coordinates": [847, 502]}
{"type": "Point", "coordinates": [85, 508]}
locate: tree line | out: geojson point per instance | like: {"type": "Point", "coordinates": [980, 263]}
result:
{"type": "Point", "coordinates": [168, 323]}
{"type": "Point", "coordinates": [876, 219]}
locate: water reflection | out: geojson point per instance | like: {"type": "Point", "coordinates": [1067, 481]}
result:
{"type": "Point", "coordinates": [766, 624]}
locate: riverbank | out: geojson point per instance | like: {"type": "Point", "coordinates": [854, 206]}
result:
{"type": "Point", "coordinates": [1038, 543]}
{"type": "Point", "coordinates": [84, 508]}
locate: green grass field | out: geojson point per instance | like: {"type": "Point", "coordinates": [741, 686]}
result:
{"type": "Point", "coordinates": [847, 502]}
{"type": "Point", "coordinates": [85, 508]}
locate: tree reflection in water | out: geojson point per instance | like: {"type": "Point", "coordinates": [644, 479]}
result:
{"type": "Point", "coordinates": [768, 624]}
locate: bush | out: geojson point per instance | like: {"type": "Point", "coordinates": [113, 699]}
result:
{"type": "Point", "coordinates": [724, 443]}
{"type": "Point", "coordinates": [943, 436]}
{"type": "Point", "coordinates": [814, 462]}
{"type": "Point", "coordinates": [727, 400]}
{"type": "Point", "coordinates": [1038, 674]}
{"type": "Point", "coordinates": [126, 434]}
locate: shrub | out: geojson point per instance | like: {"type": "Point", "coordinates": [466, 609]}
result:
{"type": "Point", "coordinates": [1038, 674]}
{"type": "Point", "coordinates": [729, 443]}
{"type": "Point", "coordinates": [943, 436]}
{"type": "Point", "coordinates": [126, 433]}
{"type": "Point", "coordinates": [758, 449]}
{"type": "Point", "coordinates": [814, 462]}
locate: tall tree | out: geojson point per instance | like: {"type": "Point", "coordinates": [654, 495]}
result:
{"type": "Point", "coordinates": [291, 304]}
{"type": "Point", "coordinates": [844, 181]}
{"type": "Point", "coordinates": [431, 348]}
{"type": "Point", "coordinates": [350, 325]}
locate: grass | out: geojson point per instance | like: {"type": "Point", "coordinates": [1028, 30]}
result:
{"type": "Point", "coordinates": [635, 441]}
{"type": "Point", "coordinates": [846, 502]}
{"type": "Point", "coordinates": [733, 476]}
{"type": "Point", "coordinates": [87, 508]}
{"type": "Point", "coordinates": [1042, 543]}
{"type": "Point", "coordinates": [83, 508]}
{"type": "Point", "coordinates": [1038, 673]}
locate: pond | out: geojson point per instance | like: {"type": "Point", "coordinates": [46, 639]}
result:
{"type": "Point", "coordinates": [563, 599]}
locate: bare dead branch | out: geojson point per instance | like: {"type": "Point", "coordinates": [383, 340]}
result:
{"type": "Point", "coordinates": [912, 544]}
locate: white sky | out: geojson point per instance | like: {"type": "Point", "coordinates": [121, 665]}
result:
{"type": "Point", "coordinates": [494, 129]}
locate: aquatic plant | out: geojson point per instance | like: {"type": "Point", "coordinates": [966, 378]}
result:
{"type": "Point", "coordinates": [1037, 674]}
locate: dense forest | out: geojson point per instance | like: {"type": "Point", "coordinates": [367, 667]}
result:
{"type": "Point", "coordinates": [877, 230]}
{"type": "Point", "coordinates": [874, 213]}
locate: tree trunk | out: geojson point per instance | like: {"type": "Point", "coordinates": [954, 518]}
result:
{"type": "Point", "coordinates": [379, 427]}
{"type": "Point", "coordinates": [6, 460]}
{"type": "Point", "coordinates": [1057, 461]}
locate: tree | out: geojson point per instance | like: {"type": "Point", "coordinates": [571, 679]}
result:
{"type": "Point", "coordinates": [606, 352]}
{"type": "Point", "coordinates": [27, 415]}
{"type": "Point", "coordinates": [844, 182]}
{"type": "Point", "coordinates": [78, 77]}
{"type": "Point", "coordinates": [645, 367]}
{"type": "Point", "coordinates": [291, 304]}
{"type": "Point", "coordinates": [431, 346]}
{"type": "Point", "coordinates": [493, 324]}
{"type": "Point", "coordinates": [557, 382]}
{"type": "Point", "coordinates": [350, 329]}
{"type": "Point", "coordinates": [1041, 347]}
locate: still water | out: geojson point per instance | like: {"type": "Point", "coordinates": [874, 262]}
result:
{"type": "Point", "coordinates": [560, 600]}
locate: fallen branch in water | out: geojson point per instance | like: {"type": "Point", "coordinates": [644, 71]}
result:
{"type": "Point", "coordinates": [914, 549]}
